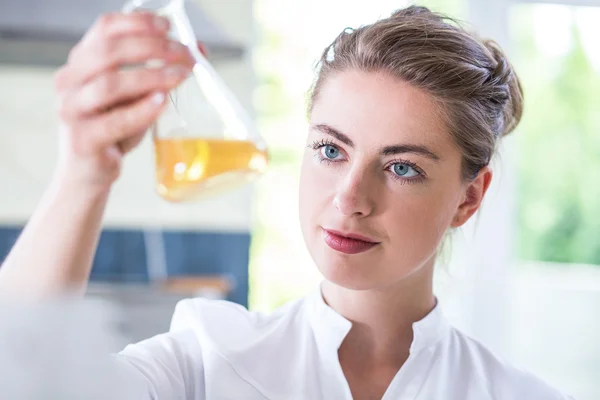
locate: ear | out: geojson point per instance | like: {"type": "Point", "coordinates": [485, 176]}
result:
{"type": "Point", "coordinates": [472, 197]}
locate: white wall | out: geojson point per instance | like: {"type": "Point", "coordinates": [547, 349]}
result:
{"type": "Point", "coordinates": [28, 145]}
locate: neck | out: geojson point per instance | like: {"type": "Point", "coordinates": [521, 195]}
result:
{"type": "Point", "coordinates": [382, 318]}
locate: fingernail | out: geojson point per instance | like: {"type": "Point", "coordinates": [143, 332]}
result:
{"type": "Point", "coordinates": [158, 98]}
{"type": "Point", "coordinates": [161, 23]}
{"type": "Point", "coordinates": [176, 71]}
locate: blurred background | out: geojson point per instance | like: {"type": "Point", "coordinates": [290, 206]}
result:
{"type": "Point", "coordinates": [523, 277]}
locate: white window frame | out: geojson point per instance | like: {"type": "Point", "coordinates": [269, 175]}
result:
{"type": "Point", "coordinates": [491, 238]}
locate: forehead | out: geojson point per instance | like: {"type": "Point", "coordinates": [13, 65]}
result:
{"type": "Point", "coordinates": [374, 106]}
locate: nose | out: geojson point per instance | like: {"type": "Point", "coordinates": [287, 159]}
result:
{"type": "Point", "coordinates": [356, 194]}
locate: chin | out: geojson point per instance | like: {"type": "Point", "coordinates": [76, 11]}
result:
{"type": "Point", "coordinates": [355, 272]}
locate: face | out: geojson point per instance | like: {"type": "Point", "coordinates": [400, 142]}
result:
{"type": "Point", "coordinates": [381, 181]}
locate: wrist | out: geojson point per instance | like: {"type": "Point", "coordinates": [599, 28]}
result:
{"type": "Point", "coordinates": [65, 183]}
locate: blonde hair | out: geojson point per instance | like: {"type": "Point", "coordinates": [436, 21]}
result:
{"type": "Point", "coordinates": [471, 78]}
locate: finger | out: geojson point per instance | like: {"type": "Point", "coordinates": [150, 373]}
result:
{"type": "Point", "coordinates": [113, 25]}
{"type": "Point", "coordinates": [117, 87]}
{"type": "Point", "coordinates": [107, 27]}
{"type": "Point", "coordinates": [121, 52]}
{"type": "Point", "coordinates": [203, 49]}
{"type": "Point", "coordinates": [120, 124]}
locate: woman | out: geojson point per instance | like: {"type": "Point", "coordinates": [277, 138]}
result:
{"type": "Point", "coordinates": [405, 116]}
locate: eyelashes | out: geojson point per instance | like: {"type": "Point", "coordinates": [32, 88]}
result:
{"type": "Point", "coordinates": [318, 144]}
{"type": "Point", "coordinates": [328, 147]}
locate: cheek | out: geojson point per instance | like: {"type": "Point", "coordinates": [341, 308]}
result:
{"type": "Point", "coordinates": [316, 188]}
{"type": "Point", "coordinates": [308, 189]}
{"type": "Point", "coordinates": [418, 221]}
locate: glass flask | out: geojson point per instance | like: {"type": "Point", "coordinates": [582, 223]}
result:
{"type": "Point", "coordinates": [204, 141]}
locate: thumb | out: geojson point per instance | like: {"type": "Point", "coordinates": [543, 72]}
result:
{"type": "Point", "coordinates": [125, 146]}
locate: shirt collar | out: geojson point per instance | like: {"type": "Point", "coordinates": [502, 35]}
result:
{"type": "Point", "coordinates": [429, 330]}
{"type": "Point", "coordinates": [331, 328]}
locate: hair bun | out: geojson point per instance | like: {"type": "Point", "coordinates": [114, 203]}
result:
{"type": "Point", "coordinates": [505, 87]}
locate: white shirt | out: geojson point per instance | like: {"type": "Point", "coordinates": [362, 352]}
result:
{"type": "Point", "coordinates": [218, 350]}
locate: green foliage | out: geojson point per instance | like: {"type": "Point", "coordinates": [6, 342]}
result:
{"type": "Point", "coordinates": [559, 155]}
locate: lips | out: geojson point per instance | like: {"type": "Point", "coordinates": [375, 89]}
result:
{"type": "Point", "coordinates": [347, 243]}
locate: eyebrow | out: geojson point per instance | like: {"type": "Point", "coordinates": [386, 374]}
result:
{"type": "Point", "coordinates": [386, 151]}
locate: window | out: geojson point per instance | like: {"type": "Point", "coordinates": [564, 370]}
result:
{"type": "Point", "coordinates": [558, 177]}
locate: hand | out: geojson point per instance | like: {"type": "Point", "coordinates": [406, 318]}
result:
{"type": "Point", "coordinates": [105, 110]}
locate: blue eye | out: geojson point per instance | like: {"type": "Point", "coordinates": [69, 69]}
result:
{"type": "Point", "coordinates": [404, 170]}
{"type": "Point", "coordinates": [330, 152]}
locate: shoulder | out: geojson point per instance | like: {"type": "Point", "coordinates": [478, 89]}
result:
{"type": "Point", "coordinates": [191, 312]}
{"type": "Point", "coordinates": [230, 326]}
{"type": "Point", "coordinates": [218, 341]}
{"type": "Point", "coordinates": [499, 378]}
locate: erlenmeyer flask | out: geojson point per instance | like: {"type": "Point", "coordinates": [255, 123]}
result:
{"type": "Point", "coordinates": [205, 142]}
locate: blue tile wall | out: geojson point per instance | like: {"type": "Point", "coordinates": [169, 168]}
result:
{"type": "Point", "coordinates": [121, 256]}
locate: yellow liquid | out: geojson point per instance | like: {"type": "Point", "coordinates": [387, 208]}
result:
{"type": "Point", "coordinates": [191, 168]}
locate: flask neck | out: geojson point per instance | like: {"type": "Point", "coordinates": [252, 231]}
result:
{"type": "Point", "coordinates": [175, 12]}
{"type": "Point", "coordinates": [160, 7]}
